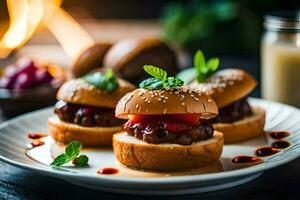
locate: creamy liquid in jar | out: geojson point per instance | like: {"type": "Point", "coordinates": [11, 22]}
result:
{"type": "Point", "coordinates": [280, 58]}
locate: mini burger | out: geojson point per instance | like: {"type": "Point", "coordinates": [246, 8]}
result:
{"type": "Point", "coordinates": [85, 109]}
{"type": "Point", "coordinates": [237, 119]}
{"type": "Point", "coordinates": [168, 126]}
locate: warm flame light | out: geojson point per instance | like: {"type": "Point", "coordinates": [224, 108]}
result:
{"type": "Point", "coordinates": [71, 36]}
{"type": "Point", "coordinates": [25, 16]}
{"type": "Point", "coordinates": [18, 25]}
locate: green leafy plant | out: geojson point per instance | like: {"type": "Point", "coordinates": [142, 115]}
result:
{"type": "Point", "coordinates": [104, 81]}
{"type": "Point", "coordinates": [71, 154]}
{"type": "Point", "coordinates": [197, 20]}
{"type": "Point", "coordinates": [160, 79]}
{"type": "Point", "coordinates": [204, 69]}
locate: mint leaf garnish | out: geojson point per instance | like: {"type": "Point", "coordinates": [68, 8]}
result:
{"type": "Point", "coordinates": [61, 160]}
{"type": "Point", "coordinates": [160, 79]}
{"type": "Point", "coordinates": [104, 81]}
{"type": "Point", "coordinates": [73, 149]}
{"type": "Point", "coordinates": [152, 83]}
{"type": "Point", "coordinates": [204, 69]}
{"type": "Point", "coordinates": [81, 161]}
{"type": "Point", "coordinates": [71, 154]}
{"type": "Point", "coordinates": [155, 72]}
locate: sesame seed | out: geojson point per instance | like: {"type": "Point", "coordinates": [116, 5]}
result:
{"type": "Point", "coordinates": [185, 89]}
{"type": "Point", "coordinates": [137, 105]}
{"type": "Point", "coordinates": [143, 98]}
{"type": "Point", "coordinates": [182, 103]}
{"type": "Point", "coordinates": [166, 97]}
{"type": "Point", "coordinates": [164, 101]}
{"type": "Point", "coordinates": [196, 99]}
{"type": "Point", "coordinates": [148, 101]}
{"type": "Point", "coordinates": [159, 99]}
{"type": "Point", "coordinates": [209, 100]}
{"type": "Point", "coordinates": [165, 111]}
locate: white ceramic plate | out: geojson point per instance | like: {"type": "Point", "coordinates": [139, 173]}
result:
{"type": "Point", "coordinates": [14, 139]}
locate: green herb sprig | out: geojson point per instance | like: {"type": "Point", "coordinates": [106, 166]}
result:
{"type": "Point", "coordinates": [104, 81]}
{"type": "Point", "coordinates": [204, 69]}
{"type": "Point", "coordinates": [160, 79]}
{"type": "Point", "coordinates": [71, 154]}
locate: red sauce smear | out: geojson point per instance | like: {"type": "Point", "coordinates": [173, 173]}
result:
{"type": "Point", "coordinates": [266, 151]}
{"type": "Point", "coordinates": [281, 144]}
{"type": "Point", "coordinates": [107, 170]}
{"type": "Point", "coordinates": [246, 159]}
{"type": "Point", "coordinates": [35, 136]}
{"type": "Point", "coordinates": [36, 143]}
{"type": "Point", "coordinates": [277, 135]}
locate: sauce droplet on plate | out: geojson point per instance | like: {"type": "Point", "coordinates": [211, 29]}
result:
{"type": "Point", "coordinates": [277, 135]}
{"type": "Point", "coordinates": [246, 159]}
{"type": "Point", "coordinates": [35, 143]}
{"type": "Point", "coordinates": [107, 170]}
{"type": "Point", "coordinates": [266, 151]}
{"type": "Point", "coordinates": [281, 144]}
{"type": "Point", "coordinates": [36, 135]}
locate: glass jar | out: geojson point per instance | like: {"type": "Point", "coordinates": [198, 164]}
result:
{"type": "Point", "coordinates": [280, 58]}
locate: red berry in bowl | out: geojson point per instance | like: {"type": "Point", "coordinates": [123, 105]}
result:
{"type": "Point", "coordinates": [10, 71]}
{"type": "Point", "coordinates": [24, 81]}
{"type": "Point", "coordinates": [43, 76]}
{"type": "Point", "coordinates": [26, 65]}
{"type": "Point", "coordinates": [7, 82]}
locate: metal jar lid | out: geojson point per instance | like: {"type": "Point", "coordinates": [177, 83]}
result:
{"type": "Point", "coordinates": [283, 21]}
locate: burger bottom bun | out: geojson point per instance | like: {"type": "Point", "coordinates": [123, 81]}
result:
{"type": "Point", "coordinates": [64, 133]}
{"type": "Point", "coordinates": [245, 129]}
{"type": "Point", "coordinates": [138, 154]}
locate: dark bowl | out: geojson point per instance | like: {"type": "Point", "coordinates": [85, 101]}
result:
{"type": "Point", "coordinates": [16, 102]}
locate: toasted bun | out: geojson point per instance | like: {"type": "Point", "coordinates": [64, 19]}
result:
{"type": "Point", "coordinates": [90, 59]}
{"type": "Point", "coordinates": [80, 92]}
{"type": "Point", "coordinates": [128, 57]}
{"type": "Point", "coordinates": [137, 154]}
{"type": "Point", "coordinates": [158, 102]}
{"type": "Point", "coordinates": [64, 133]}
{"type": "Point", "coordinates": [245, 129]}
{"type": "Point", "coordinates": [227, 86]}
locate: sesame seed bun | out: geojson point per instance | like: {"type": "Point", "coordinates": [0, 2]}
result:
{"type": "Point", "coordinates": [135, 153]}
{"type": "Point", "coordinates": [227, 86]}
{"type": "Point", "coordinates": [128, 57]}
{"type": "Point", "coordinates": [245, 129]}
{"type": "Point", "coordinates": [64, 133]}
{"type": "Point", "coordinates": [78, 91]}
{"type": "Point", "coordinates": [173, 101]}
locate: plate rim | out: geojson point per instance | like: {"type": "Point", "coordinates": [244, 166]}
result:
{"type": "Point", "coordinates": [151, 180]}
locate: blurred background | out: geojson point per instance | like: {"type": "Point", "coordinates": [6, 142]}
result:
{"type": "Point", "coordinates": [229, 29]}
{"type": "Point", "coordinates": [218, 26]}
